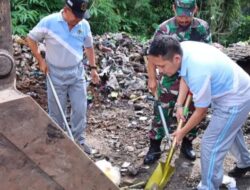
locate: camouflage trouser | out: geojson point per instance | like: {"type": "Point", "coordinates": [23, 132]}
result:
{"type": "Point", "coordinates": [167, 93]}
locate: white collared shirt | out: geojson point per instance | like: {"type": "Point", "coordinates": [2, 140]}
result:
{"type": "Point", "coordinates": [212, 76]}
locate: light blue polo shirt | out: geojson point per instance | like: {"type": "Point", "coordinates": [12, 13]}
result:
{"type": "Point", "coordinates": [212, 76]}
{"type": "Point", "coordinates": [64, 47]}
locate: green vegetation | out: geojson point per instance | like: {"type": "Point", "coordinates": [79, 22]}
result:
{"type": "Point", "coordinates": [141, 17]}
{"type": "Point", "coordinates": [104, 17]}
{"type": "Point", "coordinates": [26, 13]}
{"type": "Point", "coordinates": [241, 31]}
{"type": "Point", "coordinates": [229, 19]}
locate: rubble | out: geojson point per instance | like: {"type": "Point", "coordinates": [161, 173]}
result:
{"type": "Point", "coordinates": [29, 79]}
{"type": "Point", "coordinates": [240, 52]}
{"type": "Point", "coordinates": [119, 114]}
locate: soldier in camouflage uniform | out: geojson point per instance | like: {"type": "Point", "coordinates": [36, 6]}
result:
{"type": "Point", "coordinates": [184, 26]}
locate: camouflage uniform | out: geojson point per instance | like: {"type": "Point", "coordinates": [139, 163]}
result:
{"type": "Point", "coordinates": [168, 86]}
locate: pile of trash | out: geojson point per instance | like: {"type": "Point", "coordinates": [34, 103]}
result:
{"type": "Point", "coordinates": [122, 69]}
{"type": "Point", "coordinates": [29, 79]}
{"type": "Point", "coordinates": [240, 52]}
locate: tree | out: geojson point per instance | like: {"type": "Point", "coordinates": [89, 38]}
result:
{"type": "Point", "coordinates": [222, 16]}
{"type": "Point", "coordinates": [140, 17]}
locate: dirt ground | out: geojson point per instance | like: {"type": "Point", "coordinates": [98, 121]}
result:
{"type": "Point", "coordinates": [187, 174]}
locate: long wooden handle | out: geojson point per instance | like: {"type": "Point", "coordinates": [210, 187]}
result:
{"type": "Point", "coordinates": [180, 125]}
{"type": "Point", "coordinates": [146, 63]}
{"type": "Point", "coordinates": [185, 112]}
{"type": "Point", "coordinates": [145, 60]}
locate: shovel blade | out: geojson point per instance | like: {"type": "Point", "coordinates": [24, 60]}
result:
{"type": "Point", "coordinates": [160, 177]}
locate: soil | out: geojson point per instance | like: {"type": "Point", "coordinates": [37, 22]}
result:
{"type": "Point", "coordinates": [187, 173]}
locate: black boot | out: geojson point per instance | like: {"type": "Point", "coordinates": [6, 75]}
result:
{"type": "Point", "coordinates": [238, 172]}
{"type": "Point", "coordinates": [154, 152]}
{"type": "Point", "coordinates": [187, 149]}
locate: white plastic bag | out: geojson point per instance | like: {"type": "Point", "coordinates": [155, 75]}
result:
{"type": "Point", "coordinates": [112, 172]}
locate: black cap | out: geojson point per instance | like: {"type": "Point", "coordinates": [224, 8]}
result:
{"type": "Point", "coordinates": [78, 7]}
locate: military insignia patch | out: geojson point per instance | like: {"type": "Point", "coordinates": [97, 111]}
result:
{"type": "Point", "coordinates": [79, 31]}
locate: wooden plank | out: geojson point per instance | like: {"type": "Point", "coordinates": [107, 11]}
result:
{"type": "Point", "coordinates": [5, 26]}
{"type": "Point", "coordinates": [17, 171]}
{"type": "Point", "coordinates": [30, 129]}
{"type": "Point", "coordinates": [6, 41]}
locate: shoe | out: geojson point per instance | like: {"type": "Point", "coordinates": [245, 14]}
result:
{"type": "Point", "coordinates": [187, 149]}
{"type": "Point", "coordinates": [154, 152]}
{"type": "Point", "coordinates": [87, 149]}
{"type": "Point", "coordinates": [238, 172]}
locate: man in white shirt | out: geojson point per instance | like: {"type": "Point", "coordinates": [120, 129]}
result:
{"type": "Point", "coordinates": [213, 78]}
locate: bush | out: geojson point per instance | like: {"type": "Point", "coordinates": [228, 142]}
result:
{"type": "Point", "coordinates": [141, 17]}
{"type": "Point", "coordinates": [103, 17]}
{"type": "Point", "coordinates": [25, 14]}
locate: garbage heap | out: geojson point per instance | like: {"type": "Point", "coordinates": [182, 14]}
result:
{"type": "Point", "coordinates": [122, 70]}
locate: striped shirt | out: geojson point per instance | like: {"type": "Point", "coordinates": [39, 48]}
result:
{"type": "Point", "coordinates": [64, 47]}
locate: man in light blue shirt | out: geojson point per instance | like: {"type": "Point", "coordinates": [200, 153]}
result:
{"type": "Point", "coordinates": [66, 35]}
{"type": "Point", "coordinates": [213, 79]}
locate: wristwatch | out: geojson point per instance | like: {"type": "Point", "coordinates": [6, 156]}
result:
{"type": "Point", "coordinates": [92, 67]}
{"type": "Point", "coordinates": [178, 106]}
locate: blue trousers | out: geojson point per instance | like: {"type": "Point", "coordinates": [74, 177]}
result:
{"type": "Point", "coordinates": [222, 135]}
{"type": "Point", "coordinates": [69, 83]}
